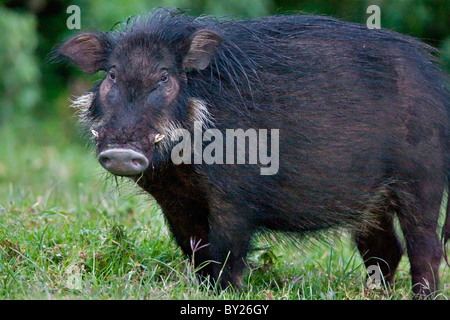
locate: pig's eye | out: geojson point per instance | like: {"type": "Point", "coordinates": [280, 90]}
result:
{"type": "Point", "coordinates": [112, 76]}
{"type": "Point", "coordinates": [165, 77]}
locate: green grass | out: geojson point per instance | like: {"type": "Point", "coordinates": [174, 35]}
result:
{"type": "Point", "coordinates": [66, 232]}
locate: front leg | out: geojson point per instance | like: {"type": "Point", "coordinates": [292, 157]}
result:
{"type": "Point", "coordinates": [186, 212]}
{"type": "Point", "coordinates": [217, 243]}
{"type": "Point", "coordinates": [210, 228]}
{"type": "Point", "coordinates": [230, 238]}
{"type": "Point", "coordinates": [189, 225]}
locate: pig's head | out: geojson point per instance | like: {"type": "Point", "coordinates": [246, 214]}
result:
{"type": "Point", "coordinates": [144, 94]}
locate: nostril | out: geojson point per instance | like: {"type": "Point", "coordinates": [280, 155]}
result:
{"type": "Point", "coordinates": [105, 161]}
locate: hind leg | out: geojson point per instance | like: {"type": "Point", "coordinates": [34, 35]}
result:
{"type": "Point", "coordinates": [381, 247]}
{"type": "Point", "coordinates": [418, 219]}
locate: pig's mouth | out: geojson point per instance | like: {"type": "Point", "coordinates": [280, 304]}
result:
{"type": "Point", "coordinates": [123, 162]}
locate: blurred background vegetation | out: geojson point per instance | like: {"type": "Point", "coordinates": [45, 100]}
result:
{"type": "Point", "coordinates": [34, 89]}
{"type": "Point", "coordinates": [56, 209]}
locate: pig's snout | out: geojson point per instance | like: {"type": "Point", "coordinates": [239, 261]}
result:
{"type": "Point", "coordinates": [123, 162]}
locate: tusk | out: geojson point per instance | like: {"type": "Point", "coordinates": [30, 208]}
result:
{"type": "Point", "coordinates": [95, 133]}
{"type": "Point", "coordinates": [159, 137]}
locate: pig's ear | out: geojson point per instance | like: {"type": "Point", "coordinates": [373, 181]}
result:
{"type": "Point", "coordinates": [88, 51]}
{"type": "Point", "coordinates": [203, 46]}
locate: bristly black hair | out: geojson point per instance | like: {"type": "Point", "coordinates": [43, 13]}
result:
{"type": "Point", "coordinates": [256, 50]}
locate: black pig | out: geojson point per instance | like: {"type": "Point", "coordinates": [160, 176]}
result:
{"type": "Point", "coordinates": [363, 120]}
